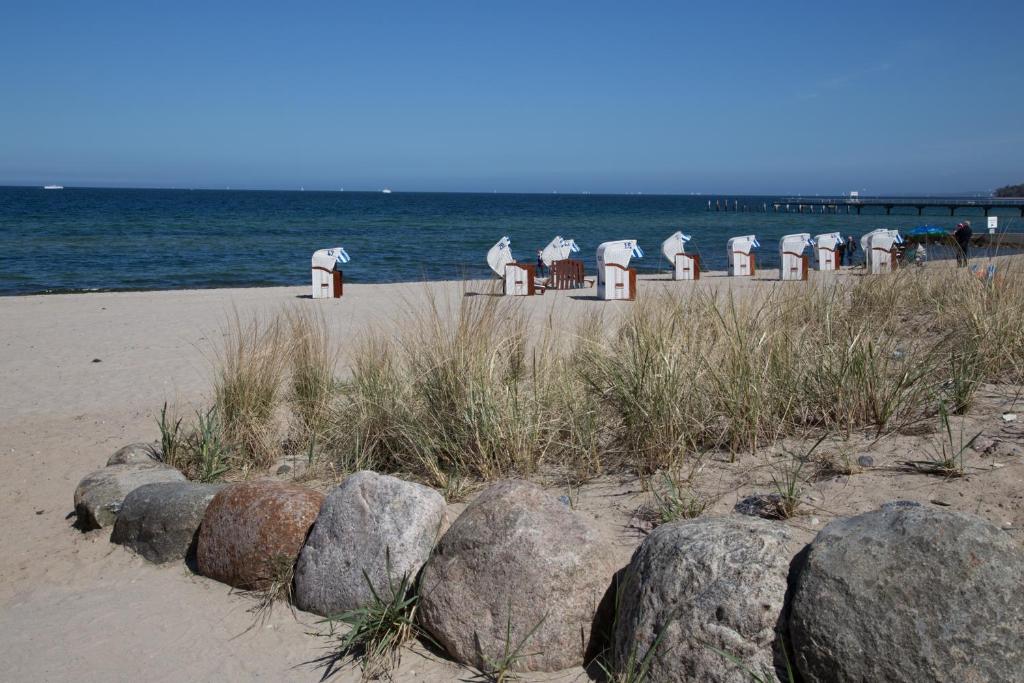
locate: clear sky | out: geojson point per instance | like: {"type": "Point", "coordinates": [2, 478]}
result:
{"type": "Point", "coordinates": [758, 97]}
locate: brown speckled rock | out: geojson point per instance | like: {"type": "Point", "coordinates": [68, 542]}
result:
{"type": "Point", "coordinates": [516, 555]}
{"type": "Point", "coordinates": [249, 524]}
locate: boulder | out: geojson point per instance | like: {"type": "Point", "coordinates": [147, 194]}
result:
{"type": "Point", "coordinates": [99, 495]}
{"type": "Point", "coordinates": [135, 453]}
{"type": "Point", "coordinates": [701, 585]}
{"type": "Point", "coordinates": [250, 527]}
{"type": "Point", "coordinates": [910, 593]}
{"type": "Point", "coordinates": [516, 560]}
{"type": "Point", "coordinates": [372, 527]}
{"type": "Point", "coordinates": [160, 521]}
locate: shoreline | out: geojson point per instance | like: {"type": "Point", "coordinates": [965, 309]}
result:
{"type": "Point", "coordinates": [1013, 242]}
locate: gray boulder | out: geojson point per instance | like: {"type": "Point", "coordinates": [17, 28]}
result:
{"type": "Point", "coordinates": [910, 593]}
{"type": "Point", "coordinates": [372, 523]}
{"type": "Point", "coordinates": [516, 559]}
{"type": "Point", "coordinates": [702, 585]}
{"type": "Point", "coordinates": [99, 495]}
{"type": "Point", "coordinates": [135, 453]}
{"type": "Point", "coordinates": [160, 521]}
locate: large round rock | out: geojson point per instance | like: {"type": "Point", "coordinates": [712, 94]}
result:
{"type": "Point", "coordinates": [99, 496]}
{"type": "Point", "coordinates": [251, 528]}
{"type": "Point", "coordinates": [372, 527]}
{"type": "Point", "coordinates": [910, 593]}
{"type": "Point", "coordinates": [697, 586]}
{"type": "Point", "coordinates": [160, 521]}
{"type": "Point", "coordinates": [516, 559]}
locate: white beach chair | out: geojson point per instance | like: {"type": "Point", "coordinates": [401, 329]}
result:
{"type": "Point", "coordinates": [563, 272]}
{"type": "Point", "coordinates": [879, 247]}
{"type": "Point", "coordinates": [327, 275]}
{"type": "Point", "coordinates": [517, 278]}
{"type": "Point", "coordinates": [826, 247]}
{"type": "Point", "coordinates": [684, 266]}
{"type": "Point", "coordinates": [740, 251]}
{"type": "Point", "coordinates": [615, 279]}
{"type": "Point", "coordinates": [792, 256]}
{"type": "Point", "coordinates": [558, 249]}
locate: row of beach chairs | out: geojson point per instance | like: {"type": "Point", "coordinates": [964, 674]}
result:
{"type": "Point", "coordinates": [616, 280]}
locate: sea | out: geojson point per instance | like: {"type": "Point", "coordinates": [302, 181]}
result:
{"type": "Point", "coordinates": [83, 240]}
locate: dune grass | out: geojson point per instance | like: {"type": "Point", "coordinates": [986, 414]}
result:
{"type": "Point", "coordinates": [250, 370]}
{"type": "Point", "coordinates": [372, 636]}
{"type": "Point", "coordinates": [477, 391]}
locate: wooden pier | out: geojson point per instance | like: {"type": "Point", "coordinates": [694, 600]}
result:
{"type": "Point", "coordinates": [854, 204]}
{"type": "Point", "coordinates": [849, 205]}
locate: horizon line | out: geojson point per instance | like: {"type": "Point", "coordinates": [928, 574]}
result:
{"type": "Point", "coordinates": [922, 195]}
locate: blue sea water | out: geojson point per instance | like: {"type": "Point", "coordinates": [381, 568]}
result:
{"type": "Point", "coordinates": [127, 239]}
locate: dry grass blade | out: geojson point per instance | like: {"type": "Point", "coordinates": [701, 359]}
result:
{"type": "Point", "coordinates": [275, 587]}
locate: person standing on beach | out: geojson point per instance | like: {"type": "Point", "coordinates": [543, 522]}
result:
{"type": "Point", "coordinates": [540, 262]}
{"type": "Point", "coordinates": [962, 235]}
{"type": "Point", "coordinates": [851, 246]}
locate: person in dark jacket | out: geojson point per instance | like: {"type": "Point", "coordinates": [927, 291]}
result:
{"type": "Point", "coordinates": [540, 262]}
{"type": "Point", "coordinates": [851, 246]}
{"type": "Point", "coordinates": [962, 235]}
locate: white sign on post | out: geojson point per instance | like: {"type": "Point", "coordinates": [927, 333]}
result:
{"type": "Point", "coordinates": [993, 223]}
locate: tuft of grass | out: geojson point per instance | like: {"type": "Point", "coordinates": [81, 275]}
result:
{"type": "Point", "coordinates": [200, 453]}
{"type": "Point", "coordinates": [276, 586]}
{"type": "Point", "coordinates": [948, 455]}
{"type": "Point", "coordinates": [461, 391]}
{"type": "Point", "coordinates": [789, 480]}
{"type": "Point", "coordinates": [208, 458]}
{"type": "Point", "coordinates": [375, 633]}
{"type": "Point", "coordinates": [965, 375]}
{"type": "Point", "coordinates": [634, 669]}
{"type": "Point", "coordinates": [671, 501]}
{"type": "Point", "coordinates": [247, 389]}
{"type": "Point", "coordinates": [171, 438]}
{"type": "Point", "coordinates": [503, 668]}
{"type": "Point", "coordinates": [313, 360]}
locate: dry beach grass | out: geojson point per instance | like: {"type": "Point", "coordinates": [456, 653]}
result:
{"type": "Point", "coordinates": [476, 392]}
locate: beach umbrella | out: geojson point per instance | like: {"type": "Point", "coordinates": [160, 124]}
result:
{"type": "Point", "coordinates": [927, 231]}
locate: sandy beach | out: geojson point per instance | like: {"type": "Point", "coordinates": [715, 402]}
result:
{"type": "Point", "coordinates": [85, 374]}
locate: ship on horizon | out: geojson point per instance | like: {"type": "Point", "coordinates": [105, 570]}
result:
{"type": "Point", "coordinates": [53, 187]}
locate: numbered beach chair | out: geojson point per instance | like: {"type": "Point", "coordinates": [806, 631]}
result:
{"type": "Point", "coordinates": [684, 266]}
{"type": "Point", "coordinates": [826, 248]}
{"type": "Point", "coordinates": [518, 279]}
{"type": "Point", "coordinates": [740, 252]}
{"type": "Point", "coordinates": [793, 257]}
{"type": "Point", "coordinates": [880, 250]}
{"type": "Point", "coordinates": [615, 279]}
{"type": "Point", "coordinates": [327, 275]}
{"type": "Point", "coordinates": [564, 272]}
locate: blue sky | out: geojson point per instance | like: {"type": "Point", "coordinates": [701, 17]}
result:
{"type": "Point", "coordinates": [525, 96]}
